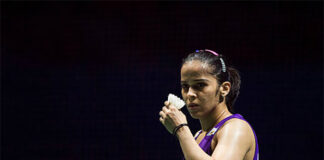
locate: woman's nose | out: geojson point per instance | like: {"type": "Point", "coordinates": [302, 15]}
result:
{"type": "Point", "coordinates": [191, 94]}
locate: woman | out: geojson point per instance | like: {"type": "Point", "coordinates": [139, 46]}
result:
{"type": "Point", "coordinates": [209, 89]}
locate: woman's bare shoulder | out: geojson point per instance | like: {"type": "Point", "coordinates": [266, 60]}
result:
{"type": "Point", "coordinates": [236, 128]}
{"type": "Point", "coordinates": [235, 136]}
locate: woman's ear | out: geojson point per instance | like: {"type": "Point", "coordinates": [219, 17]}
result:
{"type": "Point", "coordinates": [225, 88]}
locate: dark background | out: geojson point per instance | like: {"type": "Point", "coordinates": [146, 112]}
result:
{"type": "Point", "coordinates": [86, 80]}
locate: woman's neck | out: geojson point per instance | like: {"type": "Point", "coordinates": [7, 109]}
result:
{"type": "Point", "coordinates": [219, 113]}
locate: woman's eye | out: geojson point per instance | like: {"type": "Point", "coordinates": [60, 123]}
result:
{"type": "Point", "coordinates": [199, 86]}
{"type": "Point", "coordinates": [184, 86]}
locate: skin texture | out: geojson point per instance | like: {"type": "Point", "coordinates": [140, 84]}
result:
{"type": "Point", "coordinates": [233, 141]}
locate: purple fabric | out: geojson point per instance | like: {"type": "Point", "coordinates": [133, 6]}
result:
{"type": "Point", "coordinates": [206, 141]}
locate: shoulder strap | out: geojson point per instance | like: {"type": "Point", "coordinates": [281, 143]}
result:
{"type": "Point", "coordinates": [205, 142]}
{"type": "Point", "coordinates": [238, 116]}
{"type": "Point", "coordinates": [215, 129]}
{"type": "Point", "coordinates": [197, 134]}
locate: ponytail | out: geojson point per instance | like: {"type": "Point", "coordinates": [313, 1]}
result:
{"type": "Point", "coordinates": [235, 80]}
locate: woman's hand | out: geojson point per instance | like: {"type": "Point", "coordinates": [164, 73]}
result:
{"type": "Point", "coordinates": [171, 116]}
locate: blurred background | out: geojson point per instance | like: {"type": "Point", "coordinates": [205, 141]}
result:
{"type": "Point", "coordinates": [86, 80]}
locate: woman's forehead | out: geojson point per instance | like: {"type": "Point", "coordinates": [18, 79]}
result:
{"type": "Point", "coordinates": [194, 70]}
{"type": "Point", "coordinates": [194, 65]}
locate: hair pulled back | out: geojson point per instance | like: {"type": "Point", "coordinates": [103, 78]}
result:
{"type": "Point", "coordinates": [215, 67]}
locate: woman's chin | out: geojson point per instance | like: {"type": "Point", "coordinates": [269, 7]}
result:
{"type": "Point", "coordinates": [194, 115]}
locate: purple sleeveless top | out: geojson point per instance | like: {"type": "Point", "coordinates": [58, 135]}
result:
{"type": "Point", "coordinates": [206, 141]}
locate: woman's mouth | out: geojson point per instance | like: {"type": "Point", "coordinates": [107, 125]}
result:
{"type": "Point", "coordinates": [193, 106]}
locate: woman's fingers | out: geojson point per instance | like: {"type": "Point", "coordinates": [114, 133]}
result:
{"type": "Point", "coordinates": [168, 111]}
{"type": "Point", "coordinates": [162, 114]}
{"type": "Point", "coordinates": [172, 108]}
{"type": "Point", "coordinates": [161, 120]}
{"type": "Point", "coordinates": [165, 110]}
{"type": "Point", "coordinates": [167, 103]}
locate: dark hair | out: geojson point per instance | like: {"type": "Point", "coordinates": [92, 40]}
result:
{"type": "Point", "coordinates": [215, 64]}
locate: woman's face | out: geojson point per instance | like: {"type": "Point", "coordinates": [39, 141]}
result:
{"type": "Point", "coordinates": [198, 89]}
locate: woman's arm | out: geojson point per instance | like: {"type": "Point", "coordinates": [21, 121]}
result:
{"type": "Point", "coordinates": [190, 148]}
{"type": "Point", "coordinates": [234, 140]}
{"type": "Point", "coordinates": [172, 117]}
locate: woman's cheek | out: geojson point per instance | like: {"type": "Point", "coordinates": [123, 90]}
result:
{"type": "Point", "coordinates": [184, 96]}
